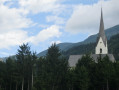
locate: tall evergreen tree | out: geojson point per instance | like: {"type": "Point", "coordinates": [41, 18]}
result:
{"type": "Point", "coordinates": [33, 64]}
{"type": "Point", "coordinates": [53, 65]}
{"type": "Point", "coordinates": [55, 68]}
{"type": "Point", "coordinates": [10, 67]}
{"type": "Point", "coordinates": [116, 78]}
{"type": "Point", "coordinates": [24, 60]}
{"type": "Point", "coordinates": [83, 78]}
{"type": "Point", "coordinates": [2, 75]}
{"type": "Point", "coordinates": [83, 71]}
{"type": "Point", "coordinates": [105, 72]}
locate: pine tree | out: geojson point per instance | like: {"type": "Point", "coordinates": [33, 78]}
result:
{"type": "Point", "coordinates": [105, 72]}
{"type": "Point", "coordinates": [24, 60]}
{"type": "Point", "coordinates": [10, 67]}
{"type": "Point", "coordinates": [116, 78]}
{"type": "Point", "coordinates": [52, 70]}
{"type": "Point", "coordinates": [2, 74]}
{"type": "Point", "coordinates": [82, 72]}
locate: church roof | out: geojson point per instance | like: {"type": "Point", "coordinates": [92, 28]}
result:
{"type": "Point", "coordinates": [101, 30]}
{"type": "Point", "coordinates": [73, 59]}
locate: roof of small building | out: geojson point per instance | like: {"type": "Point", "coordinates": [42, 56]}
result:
{"type": "Point", "coordinates": [73, 59]}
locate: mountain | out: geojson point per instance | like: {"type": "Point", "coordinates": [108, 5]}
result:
{"type": "Point", "coordinates": [91, 39]}
{"type": "Point", "coordinates": [113, 48]}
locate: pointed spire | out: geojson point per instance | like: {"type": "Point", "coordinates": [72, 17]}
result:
{"type": "Point", "coordinates": [101, 30]}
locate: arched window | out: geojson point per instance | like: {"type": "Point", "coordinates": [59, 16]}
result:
{"type": "Point", "coordinates": [100, 50]}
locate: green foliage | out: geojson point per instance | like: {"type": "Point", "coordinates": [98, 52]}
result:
{"type": "Point", "coordinates": [113, 47]}
{"type": "Point", "coordinates": [83, 78]}
{"type": "Point", "coordinates": [84, 72]}
{"type": "Point", "coordinates": [2, 74]}
{"type": "Point", "coordinates": [33, 88]}
{"type": "Point", "coordinates": [53, 73]}
{"type": "Point", "coordinates": [25, 62]}
{"type": "Point", "coordinates": [81, 49]}
{"type": "Point", "coordinates": [51, 70]}
{"type": "Point", "coordinates": [107, 71]}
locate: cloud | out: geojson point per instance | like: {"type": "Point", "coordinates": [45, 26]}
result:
{"type": "Point", "coordinates": [13, 19]}
{"type": "Point", "coordinates": [37, 6]}
{"type": "Point", "coordinates": [56, 42]}
{"type": "Point", "coordinates": [12, 23]}
{"type": "Point", "coordinates": [86, 18]}
{"type": "Point", "coordinates": [2, 1]}
{"type": "Point", "coordinates": [45, 34]}
{"type": "Point", "coordinates": [55, 19]}
{"type": "Point", "coordinates": [19, 37]}
{"type": "Point", "coordinates": [12, 38]}
{"type": "Point", "coordinates": [4, 53]}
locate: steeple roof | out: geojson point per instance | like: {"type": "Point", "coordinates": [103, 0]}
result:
{"type": "Point", "coordinates": [101, 30]}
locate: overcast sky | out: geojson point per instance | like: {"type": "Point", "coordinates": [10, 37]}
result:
{"type": "Point", "coordinates": [43, 22]}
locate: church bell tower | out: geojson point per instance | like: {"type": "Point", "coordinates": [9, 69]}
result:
{"type": "Point", "coordinates": [101, 45]}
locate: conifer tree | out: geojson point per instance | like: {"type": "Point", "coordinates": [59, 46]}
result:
{"type": "Point", "coordinates": [24, 59]}
{"type": "Point", "coordinates": [56, 68]}
{"type": "Point", "coordinates": [116, 78]}
{"type": "Point", "coordinates": [2, 74]}
{"type": "Point", "coordinates": [52, 57]}
{"type": "Point", "coordinates": [82, 72]}
{"type": "Point", "coordinates": [105, 72]}
{"type": "Point", "coordinates": [10, 67]}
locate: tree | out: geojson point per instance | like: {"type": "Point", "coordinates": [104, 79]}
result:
{"type": "Point", "coordinates": [10, 67]}
{"type": "Point", "coordinates": [83, 78]}
{"type": "Point", "coordinates": [34, 58]}
{"type": "Point", "coordinates": [116, 78]}
{"type": "Point", "coordinates": [70, 79]}
{"type": "Point", "coordinates": [24, 61]}
{"type": "Point", "coordinates": [89, 64]}
{"type": "Point", "coordinates": [2, 74]}
{"type": "Point", "coordinates": [105, 72]}
{"type": "Point", "coordinates": [52, 70]}
{"type": "Point", "coordinates": [82, 72]}
{"type": "Point", "coordinates": [41, 78]}
{"type": "Point", "coordinates": [53, 62]}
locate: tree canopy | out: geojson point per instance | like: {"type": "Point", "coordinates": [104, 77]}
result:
{"type": "Point", "coordinates": [28, 72]}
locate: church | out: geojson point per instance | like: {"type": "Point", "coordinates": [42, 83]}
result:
{"type": "Point", "coordinates": [100, 49]}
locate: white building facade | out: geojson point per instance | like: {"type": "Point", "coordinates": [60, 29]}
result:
{"type": "Point", "coordinates": [101, 48]}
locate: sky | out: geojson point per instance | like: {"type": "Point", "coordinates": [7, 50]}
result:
{"type": "Point", "coordinates": [44, 22]}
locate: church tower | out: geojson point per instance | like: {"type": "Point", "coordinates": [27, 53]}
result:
{"type": "Point", "coordinates": [101, 49]}
{"type": "Point", "coordinates": [101, 45]}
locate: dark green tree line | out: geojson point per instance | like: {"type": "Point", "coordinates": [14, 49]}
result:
{"type": "Point", "coordinates": [28, 72]}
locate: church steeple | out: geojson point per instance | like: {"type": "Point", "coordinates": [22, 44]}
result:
{"type": "Point", "coordinates": [101, 47]}
{"type": "Point", "coordinates": [101, 30]}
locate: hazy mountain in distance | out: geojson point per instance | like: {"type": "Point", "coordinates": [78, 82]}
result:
{"type": "Point", "coordinates": [65, 46]}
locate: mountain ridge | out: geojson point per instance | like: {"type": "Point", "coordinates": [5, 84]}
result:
{"type": "Point", "coordinates": [91, 39]}
{"type": "Point", "coordinates": [67, 45]}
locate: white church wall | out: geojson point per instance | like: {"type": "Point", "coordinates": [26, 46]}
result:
{"type": "Point", "coordinates": [102, 46]}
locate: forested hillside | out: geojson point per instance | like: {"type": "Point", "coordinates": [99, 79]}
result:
{"type": "Point", "coordinates": [113, 47]}
{"type": "Point", "coordinates": [91, 39]}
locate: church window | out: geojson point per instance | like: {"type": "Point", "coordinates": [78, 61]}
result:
{"type": "Point", "coordinates": [100, 50]}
